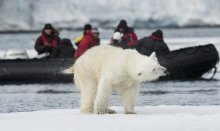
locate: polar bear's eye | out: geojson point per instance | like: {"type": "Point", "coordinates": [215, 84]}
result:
{"type": "Point", "coordinates": [153, 69]}
{"type": "Point", "coordinates": [139, 74]}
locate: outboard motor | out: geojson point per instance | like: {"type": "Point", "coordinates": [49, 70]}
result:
{"type": "Point", "coordinates": [12, 54]}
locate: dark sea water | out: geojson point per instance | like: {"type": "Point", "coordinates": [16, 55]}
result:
{"type": "Point", "coordinates": [20, 98]}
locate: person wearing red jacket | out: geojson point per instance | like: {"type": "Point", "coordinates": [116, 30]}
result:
{"type": "Point", "coordinates": [88, 41]}
{"type": "Point", "coordinates": [128, 33]}
{"type": "Point", "coordinates": [79, 38]}
{"type": "Point", "coordinates": [48, 40]}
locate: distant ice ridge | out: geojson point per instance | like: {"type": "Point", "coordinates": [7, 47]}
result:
{"type": "Point", "coordinates": [31, 14]}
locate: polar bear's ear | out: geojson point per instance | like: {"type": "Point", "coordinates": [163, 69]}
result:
{"type": "Point", "coordinates": [153, 56]}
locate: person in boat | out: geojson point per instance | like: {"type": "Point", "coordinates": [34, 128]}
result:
{"type": "Point", "coordinates": [88, 41]}
{"type": "Point", "coordinates": [79, 38]}
{"type": "Point", "coordinates": [48, 41]}
{"type": "Point", "coordinates": [128, 33]}
{"type": "Point", "coordinates": [64, 49]}
{"type": "Point", "coordinates": [152, 43]}
{"type": "Point", "coordinates": [96, 34]}
{"type": "Point", "coordinates": [118, 41]}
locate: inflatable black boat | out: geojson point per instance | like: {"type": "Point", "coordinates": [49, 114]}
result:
{"type": "Point", "coordinates": [34, 71]}
{"type": "Point", "coordinates": [187, 63]}
{"type": "Point", "coordinates": [190, 63]}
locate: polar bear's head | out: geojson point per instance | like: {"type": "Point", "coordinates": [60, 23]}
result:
{"type": "Point", "coordinates": [148, 68]}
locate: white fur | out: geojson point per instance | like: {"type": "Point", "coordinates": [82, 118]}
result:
{"type": "Point", "coordinates": [104, 69]}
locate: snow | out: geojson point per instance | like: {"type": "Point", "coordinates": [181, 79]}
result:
{"type": "Point", "coordinates": [29, 15]}
{"type": "Point", "coordinates": [152, 118]}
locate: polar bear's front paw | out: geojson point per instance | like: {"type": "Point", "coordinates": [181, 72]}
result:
{"type": "Point", "coordinates": [127, 112]}
{"type": "Point", "coordinates": [104, 111]}
{"type": "Point", "coordinates": [99, 110]}
{"type": "Point", "coordinates": [110, 111]}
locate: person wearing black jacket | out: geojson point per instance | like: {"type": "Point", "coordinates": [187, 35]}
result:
{"type": "Point", "coordinates": [117, 41]}
{"type": "Point", "coordinates": [64, 49]}
{"type": "Point", "coordinates": [129, 37]}
{"type": "Point", "coordinates": [153, 43]}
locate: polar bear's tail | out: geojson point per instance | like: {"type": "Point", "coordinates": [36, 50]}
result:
{"type": "Point", "coordinates": [69, 70]}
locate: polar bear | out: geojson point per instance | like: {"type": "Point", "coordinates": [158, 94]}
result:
{"type": "Point", "coordinates": [104, 69]}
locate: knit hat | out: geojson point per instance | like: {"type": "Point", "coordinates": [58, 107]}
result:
{"type": "Point", "coordinates": [48, 26]}
{"type": "Point", "coordinates": [117, 36]}
{"type": "Point", "coordinates": [66, 41]}
{"type": "Point", "coordinates": [122, 24]}
{"type": "Point", "coordinates": [87, 27]}
{"type": "Point", "coordinates": [158, 33]}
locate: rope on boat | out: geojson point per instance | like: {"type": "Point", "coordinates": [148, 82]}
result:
{"type": "Point", "coordinates": [215, 70]}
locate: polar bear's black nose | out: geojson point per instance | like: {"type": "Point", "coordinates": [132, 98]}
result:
{"type": "Point", "coordinates": [139, 74]}
{"type": "Point", "coordinates": [166, 72]}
